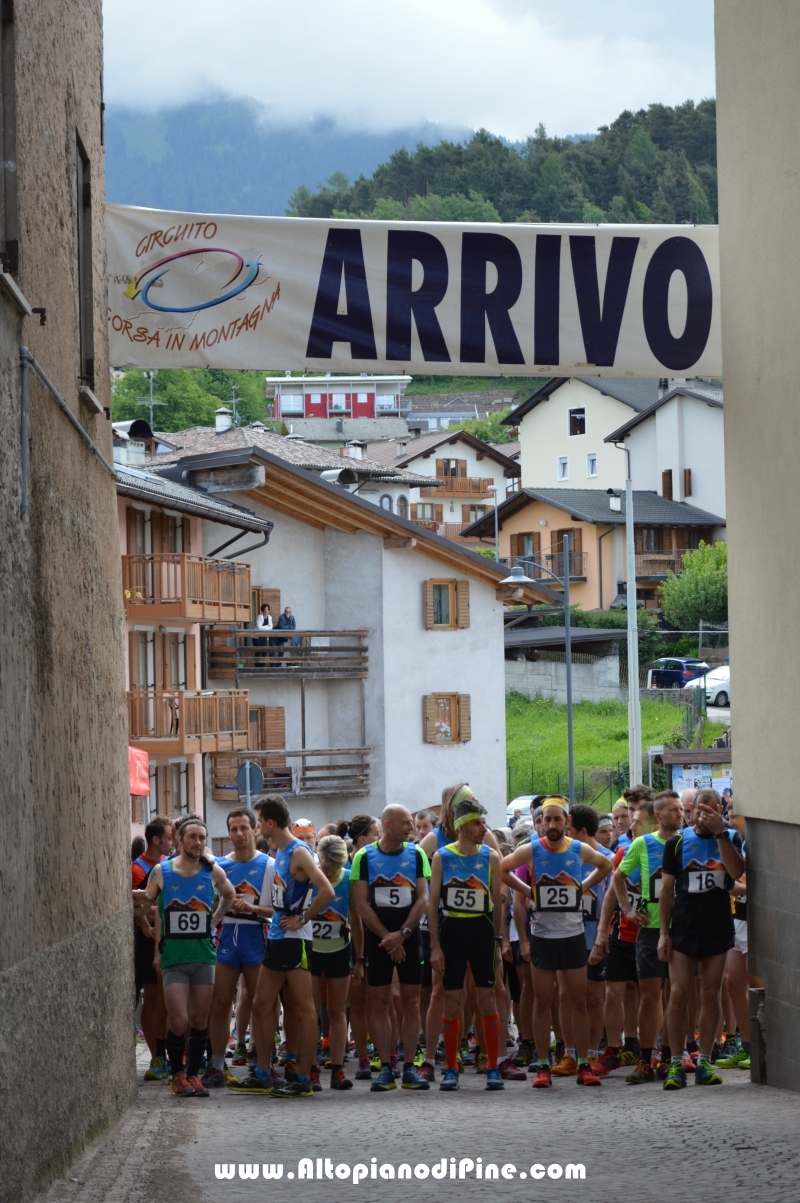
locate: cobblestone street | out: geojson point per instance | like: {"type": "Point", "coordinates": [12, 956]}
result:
{"type": "Point", "coordinates": [731, 1143]}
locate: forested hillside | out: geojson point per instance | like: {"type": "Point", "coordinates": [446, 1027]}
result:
{"type": "Point", "coordinates": [656, 165]}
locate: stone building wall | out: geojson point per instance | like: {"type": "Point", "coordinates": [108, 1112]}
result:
{"type": "Point", "coordinates": [66, 981]}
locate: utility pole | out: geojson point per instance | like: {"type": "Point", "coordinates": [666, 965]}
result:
{"type": "Point", "coordinates": [634, 707]}
{"type": "Point", "coordinates": [234, 399]}
{"type": "Point", "coordinates": [148, 401]}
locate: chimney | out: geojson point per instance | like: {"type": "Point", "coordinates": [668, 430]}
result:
{"type": "Point", "coordinates": [401, 451]}
{"type": "Point", "coordinates": [354, 449]}
{"type": "Point", "coordinates": [223, 419]}
{"type": "Point", "coordinates": [339, 425]}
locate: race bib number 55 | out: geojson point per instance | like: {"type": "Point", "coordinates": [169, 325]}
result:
{"type": "Point", "coordinates": [185, 924]}
{"type": "Point", "coordinates": [459, 898]}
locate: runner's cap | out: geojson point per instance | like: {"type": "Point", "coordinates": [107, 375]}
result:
{"type": "Point", "coordinates": [303, 827]}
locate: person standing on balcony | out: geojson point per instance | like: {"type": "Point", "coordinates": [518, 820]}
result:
{"type": "Point", "coordinates": [286, 622]}
{"type": "Point", "coordinates": [263, 623]}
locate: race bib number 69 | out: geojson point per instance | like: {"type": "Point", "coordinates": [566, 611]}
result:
{"type": "Point", "coordinates": [188, 924]}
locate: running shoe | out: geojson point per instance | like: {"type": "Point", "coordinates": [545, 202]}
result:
{"type": "Point", "coordinates": [364, 1071]}
{"type": "Point", "coordinates": [413, 1081]}
{"type": "Point", "coordinates": [385, 1080]}
{"type": "Point", "coordinates": [316, 1085]}
{"type": "Point", "coordinates": [231, 1077]}
{"type": "Point", "coordinates": [339, 1081]}
{"type": "Point", "coordinates": [510, 1073]}
{"type": "Point", "coordinates": [450, 1080]}
{"type": "Point", "coordinates": [482, 1063]}
{"type": "Point", "coordinates": [688, 1064]}
{"type": "Point", "coordinates": [419, 1057]}
{"type": "Point", "coordinates": [158, 1071]}
{"type": "Point", "coordinates": [493, 1079]}
{"type": "Point", "coordinates": [523, 1054]}
{"type": "Point", "coordinates": [252, 1084]}
{"type": "Point", "coordinates": [705, 1074]}
{"type": "Point", "coordinates": [426, 1071]}
{"type": "Point", "coordinates": [213, 1077]}
{"type": "Point", "coordinates": [179, 1084]}
{"type": "Point", "coordinates": [567, 1067]}
{"type": "Point", "coordinates": [716, 1052]}
{"type": "Point", "coordinates": [290, 1069]}
{"type": "Point", "coordinates": [628, 1056]}
{"type": "Point", "coordinates": [587, 1077]}
{"type": "Point", "coordinates": [296, 1089]}
{"type": "Point", "coordinates": [729, 1046]}
{"type": "Point", "coordinates": [676, 1077]}
{"type": "Point", "coordinates": [662, 1070]}
{"type": "Point", "coordinates": [642, 1073]}
{"type": "Point", "coordinates": [557, 1049]}
{"type": "Point", "coordinates": [395, 1067]}
{"type": "Point", "coordinates": [198, 1087]}
{"type": "Point", "coordinates": [542, 1078]}
{"type": "Point", "coordinates": [252, 1057]}
{"type": "Point", "coordinates": [240, 1055]}
{"type": "Point", "coordinates": [375, 1062]}
{"type": "Point", "coordinates": [737, 1060]}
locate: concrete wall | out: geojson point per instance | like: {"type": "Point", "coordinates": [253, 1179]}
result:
{"type": "Point", "coordinates": [544, 436]}
{"type": "Point", "coordinates": [596, 682]}
{"type": "Point", "coordinates": [66, 960]}
{"type": "Point", "coordinates": [758, 102]}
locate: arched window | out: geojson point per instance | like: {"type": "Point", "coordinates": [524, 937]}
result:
{"type": "Point", "coordinates": [402, 507]}
{"type": "Point", "coordinates": [386, 502]}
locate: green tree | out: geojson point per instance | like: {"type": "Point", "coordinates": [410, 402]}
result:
{"type": "Point", "coordinates": [188, 398]}
{"type": "Point", "coordinates": [701, 589]}
{"type": "Point", "coordinates": [489, 429]}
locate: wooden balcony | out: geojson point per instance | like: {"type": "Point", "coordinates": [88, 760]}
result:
{"type": "Point", "coordinates": [303, 773]}
{"type": "Point", "coordinates": [173, 585]}
{"type": "Point", "coordinates": [318, 655]}
{"type": "Point", "coordinates": [179, 721]}
{"type": "Point", "coordinates": [655, 565]}
{"type": "Point", "coordinates": [553, 561]}
{"type": "Point", "coordinates": [460, 486]}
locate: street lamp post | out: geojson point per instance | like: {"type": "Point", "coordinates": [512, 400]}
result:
{"type": "Point", "coordinates": [515, 579]}
{"type": "Point", "coordinates": [494, 490]}
{"type": "Point", "coordinates": [634, 708]}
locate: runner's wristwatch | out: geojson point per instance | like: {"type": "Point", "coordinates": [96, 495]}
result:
{"type": "Point", "coordinates": [406, 932]}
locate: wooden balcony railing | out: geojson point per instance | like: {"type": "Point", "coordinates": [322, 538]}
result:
{"type": "Point", "coordinates": [659, 563]}
{"type": "Point", "coordinates": [554, 561]}
{"type": "Point", "coordinates": [181, 721]}
{"type": "Point", "coordinates": [460, 486]}
{"type": "Point", "coordinates": [275, 654]}
{"type": "Point", "coordinates": [303, 773]}
{"type": "Point", "coordinates": [177, 585]}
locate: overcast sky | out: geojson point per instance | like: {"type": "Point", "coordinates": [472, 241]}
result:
{"type": "Point", "coordinates": [505, 65]}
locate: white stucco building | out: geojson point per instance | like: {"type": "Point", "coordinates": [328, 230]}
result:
{"type": "Point", "coordinates": [395, 686]}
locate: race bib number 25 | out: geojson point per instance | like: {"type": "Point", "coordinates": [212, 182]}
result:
{"type": "Point", "coordinates": [558, 898]}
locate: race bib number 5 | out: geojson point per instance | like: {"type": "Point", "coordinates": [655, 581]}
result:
{"type": "Point", "coordinates": [393, 896]}
{"type": "Point", "coordinates": [558, 898]}
{"type": "Point", "coordinates": [186, 924]}
{"type": "Point", "coordinates": [459, 898]}
{"type": "Point", "coordinates": [700, 882]}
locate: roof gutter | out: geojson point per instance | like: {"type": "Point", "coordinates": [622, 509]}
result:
{"type": "Point", "coordinates": [247, 525]}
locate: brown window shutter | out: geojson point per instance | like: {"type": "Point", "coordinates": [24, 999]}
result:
{"type": "Point", "coordinates": [190, 653]}
{"type": "Point", "coordinates": [577, 538]}
{"type": "Point", "coordinates": [165, 803]}
{"type": "Point", "coordinates": [556, 540]}
{"type": "Point", "coordinates": [465, 513]}
{"type": "Point", "coordinates": [462, 467]}
{"type": "Point", "coordinates": [156, 532]}
{"type": "Point", "coordinates": [637, 538]}
{"type": "Point", "coordinates": [687, 482]}
{"type": "Point", "coordinates": [413, 510]}
{"type": "Point", "coordinates": [666, 484]}
{"type": "Point", "coordinates": [537, 541]}
{"type": "Point", "coordinates": [190, 787]}
{"type": "Point", "coordinates": [158, 661]}
{"type": "Point", "coordinates": [255, 729]}
{"type": "Point", "coordinates": [427, 604]}
{"type": "Point", "coordinates": [133, 530]}
{"type": "Point", "coordinates": [462, 604]}
{"type": "Point", "coordinates": [464, 718]}
{"type": "Point", "coordinates": [274, 727]}
{"type": "Point", "coordinates": [438, 511]}
{"type": "Point", "coordinates": [133, 660]}
{"type": "Point", "coordinates": [440, 468]}
{"type": "Point", "coordinates": [514, 546]}
{"type": "Point", "coordinates": [429, 719]}
{"type": "Point", "coordinates": [186, 533]}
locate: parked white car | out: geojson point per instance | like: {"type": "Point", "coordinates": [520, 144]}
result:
{"type": "Point", "coordinates": [718, 686]}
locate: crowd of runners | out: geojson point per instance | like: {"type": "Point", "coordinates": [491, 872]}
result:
{"type": "Point", "coordinates": [411, 949]}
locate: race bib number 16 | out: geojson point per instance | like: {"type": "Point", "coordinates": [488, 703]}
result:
{"type": "Point", "coordinates": [703, 880]}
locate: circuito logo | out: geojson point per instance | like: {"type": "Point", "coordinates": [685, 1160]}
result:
{"type": "Point", "coordinates": [210, 281]}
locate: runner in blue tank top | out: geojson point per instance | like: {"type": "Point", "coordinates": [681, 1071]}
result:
{"type": "Point", "coordinates": [285, 964]}
{"type": "Point", "coordinates": [240, 950]}
{"type": "Point", "coordinates": [557, 942]}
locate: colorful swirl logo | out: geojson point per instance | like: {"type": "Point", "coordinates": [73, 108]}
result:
{"type": "Point", "coordinates": [246, 271]}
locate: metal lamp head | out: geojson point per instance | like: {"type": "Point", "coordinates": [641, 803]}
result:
{"type": "Point", "coordinates": [517, 577]}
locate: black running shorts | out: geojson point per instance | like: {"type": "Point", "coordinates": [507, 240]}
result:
{"type": "Point", "coordinates": [561, 953]}
{"type": "Point", "coordinates": [143, 970]}
{"type": "Point", "coordinates": [703, 945]}
{"type": "Point", "coordinates": [331, 964]}
{"type": "Point", "coordinates": [647, 962]}
{"type": "Point", "coordinates": [621, 961]}
{"type": "Point", "coordinates": [468, 942]}
{"type": "Point", "coordinates": [381, 967]}
{"type": "Point", "coordinates": [427, 972]}
{"type": "Point", "coordinates": [282, 956]}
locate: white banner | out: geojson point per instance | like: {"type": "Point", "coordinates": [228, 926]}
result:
{"type": "Point", "coordinates": [190, 290]}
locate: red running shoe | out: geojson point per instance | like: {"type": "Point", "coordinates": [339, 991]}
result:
{"type": "Point", "coordinates": [198, 1087]}
{"type": "Point", "coordinates": [180, 1085]}
{"type": "Point", "coordinates": [426, 1071]}
{"type": "Point", "coordinates": [510, 1073]}
{"type": "Point", "coordinates": [608, 1062]}
{"type": "Point", "coordinates": [542, 1078]}
{"type": "Point", "coordinates": [587, 1077]}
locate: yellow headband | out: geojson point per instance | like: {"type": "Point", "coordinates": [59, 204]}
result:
{"type": "Point", "coordinates": [556, 800]}
{"type": "Point", "coordinates": [461, 795]}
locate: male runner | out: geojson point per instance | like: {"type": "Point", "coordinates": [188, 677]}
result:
{"type": "Point", "coordinates": [657, 821]}
{"type": "Point", "coordinates": [389, 885]}
{"type": "Point", "coordinates": [621, 821]}
{"type": "Point", "coordinates": [240, 950]}
{"type": "Point", "coordinates": [736, 973]}
{"type": "Point", "coordinates": [185, 888]}
{"type": "Point", "coordinates": [303, 829]}
{"type": "Point", "coordinates": [583, 824]}
{"type": "Point", "coordinates": [465, 878]}
{"type": "Point", "coordinates": [286, 957]}
{"type": "Point", "coordinates": [557, 940]}
{"type": "Point", "coordinates": [158, 834]}
{"type": "Point", "coordinates": [700, 865]}
{"type": "Point", "coordinates": [687, 806]}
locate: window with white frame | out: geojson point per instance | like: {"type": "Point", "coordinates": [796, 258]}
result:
{"type": "Point", "coordinates": [338, 402]}
{"type": "Point", "coordinates": [292, 403]}
{"type": "Point", "coordinates": [386, 402]}
{"type": "Point", "coordinates": [591, 463]}
{"type": "Point", "coordinates": [563, 467]}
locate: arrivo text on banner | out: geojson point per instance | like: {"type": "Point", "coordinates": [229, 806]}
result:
{"type": "Point", "coordinates": [191, 290]}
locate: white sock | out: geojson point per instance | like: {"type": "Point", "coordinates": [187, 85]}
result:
{"type": "Point", "coordinates": [571, 1052]}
